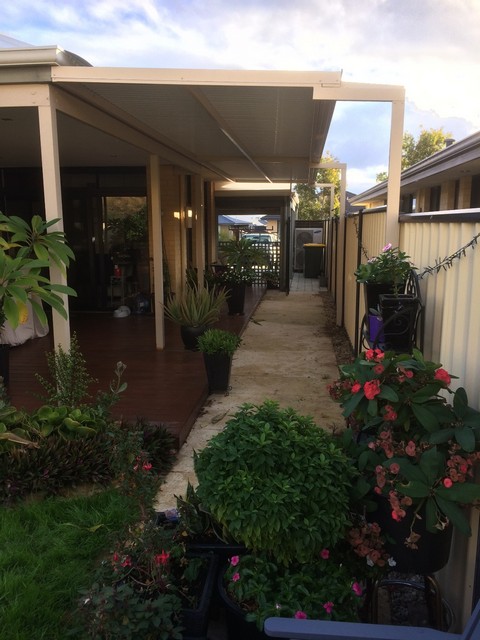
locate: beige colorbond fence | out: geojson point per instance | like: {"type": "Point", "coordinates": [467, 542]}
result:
{"type": "Point", "coordinates": [451, 298]}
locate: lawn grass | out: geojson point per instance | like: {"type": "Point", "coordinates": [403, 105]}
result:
{"type": "Point", "coordinates": [48, 553]}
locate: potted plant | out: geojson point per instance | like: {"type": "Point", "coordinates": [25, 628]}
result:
{"type": "Point", "coordinates": [195, 310]}
{"type": "Point", "coordinates": [26, 250]}
{"type": "Point", "coordinates": [218, 347]}
{"type": "Point", "coordinates": [149, 587]}
{"type": "Point", "coordinates": [278, 484]}
{"type": "Point", "coordinates": [240, 256]}
{"type": "Point", "coordinates": [415, 451]}
{"type": "Point", "coordinates": [385, 273]}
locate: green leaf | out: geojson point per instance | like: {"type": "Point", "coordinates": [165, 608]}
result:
{"type": "Point", "coordinates": [465, 438]}
{"type": "Point", "coordinates": [415, 489]}
{"type": "Point", "coordinates": [432, 463]}
{"type": "Point", "coordinates": [425, 417]}
{"type": "Point", "coordinates": [425, 393]}
{"type": "Point", "coordinates": [388, 394]}
{"type": "Point", "coordinates": [463, 492]}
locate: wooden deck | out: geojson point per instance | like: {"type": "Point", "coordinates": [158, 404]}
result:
{"type": "Point", "coordinates": [165, 387]}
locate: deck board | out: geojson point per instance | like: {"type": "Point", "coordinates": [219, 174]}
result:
{"type": "Point", "coordinates": [166, 386]}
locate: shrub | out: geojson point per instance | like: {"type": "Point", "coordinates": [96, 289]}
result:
{"type": "Point", "coordinates": [276, 482]}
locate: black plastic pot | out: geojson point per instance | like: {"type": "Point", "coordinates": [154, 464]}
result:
{"type": "Point", "coordinates": [190, 336]}
{"type": "Point", "coordinates": [195, 621]}
{"type": "Point", "coordinates": [218, 367]}
{"type": "Point", "coordinates": [399, 315]}
{"type": "Point", "coordinates": [433, 548]}
{"type": "Point", "coordinates": [236, 299]}
{"type": "Point", "coordinates": [373, 291]}
{"type": "Point", "coordinates": [237, 627]}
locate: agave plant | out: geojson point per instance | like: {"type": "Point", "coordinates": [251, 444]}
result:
{"type": "Point", "coordinates": [196, 307]}
{"type": "Point", "coordinates": [25, 251]}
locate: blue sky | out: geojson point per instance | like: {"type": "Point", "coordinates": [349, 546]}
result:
{"type": "Point", "coordinates": [428, 46]}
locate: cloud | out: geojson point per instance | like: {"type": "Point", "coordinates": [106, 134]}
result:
{"type": "Point", "coordinates": [427, 46]}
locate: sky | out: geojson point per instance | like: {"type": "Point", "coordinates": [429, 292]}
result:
{"type": "Point", "coordinates": [431, 47]}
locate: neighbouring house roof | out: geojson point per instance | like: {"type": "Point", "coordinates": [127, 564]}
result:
{"type": "Point", "coordinates": [459, 158]}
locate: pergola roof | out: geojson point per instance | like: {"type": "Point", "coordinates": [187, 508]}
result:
{"type": "Point", "coordinates": [246, 126]}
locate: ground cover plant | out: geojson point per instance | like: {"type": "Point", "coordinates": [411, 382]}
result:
{"type": "Point", "coordinates": [49, 550]}
{"type": "Point", "coordinates": [72, 482]}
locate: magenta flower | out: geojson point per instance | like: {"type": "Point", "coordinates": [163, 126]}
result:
{"type": "Point", "coordinates": [328, 606]}
{"type": "Point", "coordinates": [234, 560]}
{"type": "Point", "coordinates": [357, 589]}
{"type": "Point", "coordinates": [300, 615]}
{"type": "Point", "coordinates": [325, 554]}
{"type": "Point", "coordinates": [236, 577]}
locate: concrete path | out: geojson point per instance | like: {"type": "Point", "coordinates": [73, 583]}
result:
{"type": "Point", "coordinates": [286, 356]}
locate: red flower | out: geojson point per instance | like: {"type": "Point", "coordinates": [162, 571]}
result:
{"type": "Point", "coordinates": [356, 387]}
{"type": "Point", "coordinates": [443, 376]}
{"type": "Point", "coordinates": [127, 562]}
{"type": "Point", "coordinates": [447, 483]}
{"type": "Point", "coordinates": [371, 389]}
{"type": "Point", "coordinates": [379, 369]}
{"type": "Point", "coordinates": [389, 414]}
{"type": "Point", "coordinates": [161, 558]}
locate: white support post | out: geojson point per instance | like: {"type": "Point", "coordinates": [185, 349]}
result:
{"type": "Point", "coordinates": [154, 198]}
{"type": "Point", "coordinates": [47, 118]}
{"type": "Point", "coordinates": [198, 226]}
{"type": "Point", "coordinates": [394, 173]}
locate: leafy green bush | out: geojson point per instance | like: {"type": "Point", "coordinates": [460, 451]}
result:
{"type": "Point", "coordinates": [218, 341]}
{"type": "Point", "coordinates": [276, 482]}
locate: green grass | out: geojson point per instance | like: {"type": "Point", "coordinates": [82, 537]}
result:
{"type": "Point", "coordinates": [48, 553]}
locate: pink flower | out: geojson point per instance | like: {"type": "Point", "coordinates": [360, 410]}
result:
{"type": "Point", "coordinates": [387, 247]}
{"type": "Point", "coordinates": [236, 577]}
{"type": "Point", "coordinates": [147, 466]}
{"type": "Point", "coordinates": [300, 615]}
{"type": "Point", "coordinates": [371, 389]}
{"type": "Point", "coordinates": [379, 368]}
{"type": "Point", "coordinates": [447, 483]}
{"type": "Point", "coordinates": [443, 376]}
{"type": "Point", "coordinates": [325, 554]}
{"type": "Point", "coordinates": [357, 589]}
{"type": "Point", "coordinates": [328, 606]}
{"type": "Point", "coordinates": [356, 387]}
{"type": "Point", "coordinates": [234, 560]}
{"type": "Point", "coordinates": [410, 448]}
{"type": "Point", "coordinates": [394, 468]}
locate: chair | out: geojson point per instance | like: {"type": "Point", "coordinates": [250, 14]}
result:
{"type": "Point", "coordinates": [329, 630]}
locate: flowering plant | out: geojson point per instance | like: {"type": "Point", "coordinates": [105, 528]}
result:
{"type": "Point", "coordinates": [140, 590]}
{"type": "Point", "coordinates": [392, 266]}
{"type": "Point", "coordinates": [398, 390]}
{"type": "Point", "coordinates": [417, 450]}
{"type": "Point", "coordinates": [324, 588]}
